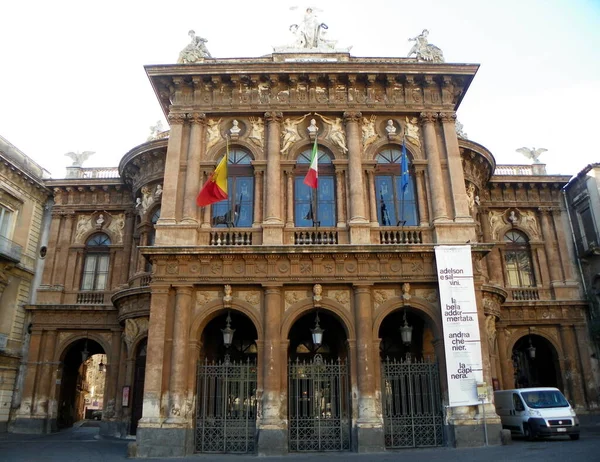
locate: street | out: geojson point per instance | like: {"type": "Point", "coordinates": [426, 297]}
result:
{"type": "Point", "coordinates": [82, 443]}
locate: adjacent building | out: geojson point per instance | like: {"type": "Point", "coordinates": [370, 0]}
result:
{"type": "Point", "coordinates": [24, 202]}
{"type": "Point", "coordinates": [288, 318]}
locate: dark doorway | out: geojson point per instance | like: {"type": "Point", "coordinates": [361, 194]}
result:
{"type": "Point", "coordinates": [226, 386]}
{"type": "Point", "coordinates": [318, 385]}
{"type": "Point", "coordinates": [411, 392]}
{"type": "Point", "coordinates": [139, 376]}
{"type": "Point", "coordinates": [538, 369]}
{"type": "Point", "coordinates": [74, 389]}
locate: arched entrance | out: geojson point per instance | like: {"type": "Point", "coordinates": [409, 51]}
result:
{"type": "Point", "coordinates": [82, 380]}
{"type": "Point", "coordinates": [139, 375]}
{"type": "Point", "coordinates": [226, 386]}
{"type": "Point", "coordinates": [318, 384]}
{"type": "Point", "coordinates": [535, 363]}
{"type": "Point", "coordinates": [412, 404]}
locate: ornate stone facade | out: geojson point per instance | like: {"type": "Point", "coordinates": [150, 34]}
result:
{"type": "Point", "coordinates": [176, 271]}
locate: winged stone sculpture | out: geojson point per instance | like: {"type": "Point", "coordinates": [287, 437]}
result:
{"type": "Point", "coordinates": [532, 153]}
{"type": "Point", "coordinates": [79, 157]}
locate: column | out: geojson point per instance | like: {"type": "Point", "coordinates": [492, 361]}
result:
{"type": "Point", "coordinates": [506, 367]}
{"type": "Point", "coordinates": [457, 176]}
{"type": "Point", "coordinates": [571, 372]}
{"type": "Point", "coordinates": [179, 354]}
{"type": "Point", "coordinates": [168, 211]}
{"type": "Point", "coordinates": [493, 261]}
{"type": "Point", "coordinates": [289, 219]}
{"type": "Point", "coordinates": [434, 167]}
{"type": "Point", "coordinates": [370, 430]}
{"type": "Point", "coordinates": [356, 185]}
{"type": "Point", "coordinates": [153, 382]}
{"type": "Point", "coordinates": [64, 243]}
{"type": "Point", "coordinates": [422, 195]}
{"type": "Point", "coordinates": [591, 392]}
{"type": "Point", "coordinates": [273, 193]}
{"type": "Point", "coordinates": [372, 198]}
{"type": "Point", "coordinates": [192, 174]}
{"type": "Point", "coordinates": [553, 261]}
{"type": "Point", "coordinates": [258, 197]}
{"type": "Point", "coordinates": [111, 383]}
{"type": "Point", "coordinates": [272, 435]}
{"type": "Point", "coordinates": [52, 255]}
{"type": "Point", "coordinates": [45, 383]}
{"type": "Point", "coordinates": [128, 247]}
{"type": "Point", "coordinates": [340, 197]}
{"type": "Point", "coordinates": [559, 218]}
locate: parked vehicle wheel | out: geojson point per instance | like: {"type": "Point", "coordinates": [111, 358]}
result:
{"type": "Point", "coordinates": [574, 437]}
{"type": "Point", "coordinates": [528, 433]}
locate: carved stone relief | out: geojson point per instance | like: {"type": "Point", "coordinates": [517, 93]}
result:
{"type": "Point", "coordinates": [341, 296]}
{"type": "Point", "coordinates": [133, 329]}
{"type": "Point", "coordinates": [205, 296]}
{"type": "Point", "coordinates": [293, 296]}
{"type": "Point", "coordinates": [380, 296]}
{"type": "Point", "coordinates": [252, 297]}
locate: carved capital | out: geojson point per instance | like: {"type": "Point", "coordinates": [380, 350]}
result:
{"type": "Point", "coordinates": [352, 116]}
{"type": "Point", "coordinates": [428, 117]}
{"type": "Point", "coordinates": [176, 118]}
{"type": "Point", "coordinates": [198, 118]}
{"type": "Point", "coordinates": [448, 117]}
{"type": "Point", "coordinates": [273, 117]}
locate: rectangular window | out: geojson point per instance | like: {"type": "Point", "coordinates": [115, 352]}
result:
{"type": "Point", "coordinates": [237, 210]}
{"type": "Point", "coordinates": [95, 272]}
{"type": "Point", "coordinates": [6, 219]}
{"type": "Point", "coordinates": [303, 206]}
{"type": "Point", "coordinates": [588, 230]}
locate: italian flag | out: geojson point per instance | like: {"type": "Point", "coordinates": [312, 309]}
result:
{"type": "Point", "coordinates": [312, 177]}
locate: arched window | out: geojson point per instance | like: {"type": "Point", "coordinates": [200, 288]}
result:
{"type": "Point", "coordinates": [96, 263]}
{"type": "Point", "coordinates": [314, 206]}
{"type": "Point", "coordinates": [395, 192]}
{"type": "Point", "coordinates": [237, 210]}
{"type": "Point", "coordinates": [517, 256]}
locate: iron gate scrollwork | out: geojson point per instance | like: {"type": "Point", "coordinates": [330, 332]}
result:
{"type": "Point", "coordinates": [226, 407]}
{"type": "Point", "coordinates": [319, 406]}
{"type": "Point", "coordinates": [413, 412]}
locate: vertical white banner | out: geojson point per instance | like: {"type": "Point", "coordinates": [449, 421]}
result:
{"type": "Point", "coordinates": [462, 342]}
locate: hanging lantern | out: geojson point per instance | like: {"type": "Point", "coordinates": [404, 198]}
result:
{"type": "Point", "coordinates": [406, 332]}
{"type": "Point", "coordinates": [101, 366]}
{"type": "Point", "coordinates": [228, 333]}
{"type": "Point", "coordinates": [317, 333]}
{"type": "Point", "coordinates": [531, 349]}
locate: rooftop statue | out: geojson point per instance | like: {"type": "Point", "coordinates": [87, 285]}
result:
{"type": "Point", "coordinates": [79, 157]}
{"type": "Point", "coordinates": [195, 51]}
{"type": "Point", "coordinates": [310, 35]}
{"type": "Point", "coordinates": [533, 153]}
{"type": "Point", "coordinates": [157, 132]}
{"type": "Point", "coordinates": [424, 51]}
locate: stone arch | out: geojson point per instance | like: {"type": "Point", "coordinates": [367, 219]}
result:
{"type": "Point", "coordinates": [300, 308]}
{"type": "Point", "coordinates": [411, 150]}
{"type": "Point", "coordinates": [418, 303]}
{"type": "Point", "coordinates": [523, 331]}
{"type": "Point", "coordinates": [214, 308]}
{"type": "Point", "coordinates": [304, 145]}
{"type": "Point", "coordinates": [64, 345]}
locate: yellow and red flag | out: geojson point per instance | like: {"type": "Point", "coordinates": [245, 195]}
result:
{"type": "Point", "coordinates": [215, 189]}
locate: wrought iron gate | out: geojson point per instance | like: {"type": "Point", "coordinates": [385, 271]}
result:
{"type": "Point", "coordinates": [319, 406]}
{"type": "Point", "coordinates": [412, 405]}
{"type": "Point", "coordinates": [226, 407]}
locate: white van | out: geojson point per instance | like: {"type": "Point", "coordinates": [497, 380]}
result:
{"type": "Point", "coordinates": [533, 412]}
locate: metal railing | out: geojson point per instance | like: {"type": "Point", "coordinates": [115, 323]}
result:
{"type": "Point", "coordinates": [10, 249]}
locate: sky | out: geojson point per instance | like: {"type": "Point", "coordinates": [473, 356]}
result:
{"type": "Point", "coordinates": [72, 73]}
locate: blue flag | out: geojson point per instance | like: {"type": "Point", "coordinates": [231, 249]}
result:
{"type": "Point", "coordinates": [404, 169]}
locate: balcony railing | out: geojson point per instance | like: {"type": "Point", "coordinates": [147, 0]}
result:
{"type": "Point", "coordinates": [525, 294]}
{"type": "Point", "coordinates": [316, 237]}
{"type": "Point", "coordinates": [231, 237]}
{"type": "Point", "coordinates": [516, 170]}
{"type": "Point", "coordinates": [400, 236]}
{"type": "Point", "coordinates": [10, 249]}
{"type": "Point", "coordinates": [90, 298]}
